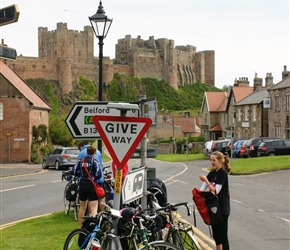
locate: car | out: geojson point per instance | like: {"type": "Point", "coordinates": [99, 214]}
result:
{"type": "Point", "coordinates": [237, 148]}
{"type": "Point", "coordinates": [253, 144]}
{"type": "Point", "coordinates": [274, 147]}
{"type": "Point", "coordinates": [207, 148]}
{"type": "Point", "coordinates": [61, 158]}
{"type": "Point", "coordinates": [220, 145]}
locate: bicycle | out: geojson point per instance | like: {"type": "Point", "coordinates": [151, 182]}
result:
{"type": "Point", "coordinates": [71, 197]}
{"type": "Point", "coordinates": [92, 239]}
{"type": "Point", "coordinates": [177, 232]}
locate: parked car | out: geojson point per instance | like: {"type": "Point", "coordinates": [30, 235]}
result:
{"type": "Point", "coordinates": [243, 149]}
{"type": "Point", "coordinates": [237, 148]}
{"type": "Point", "coordinates": [220, 145]}
{"type": "Point", "coordinates": [207, 148]}
{"type": "Point", "coordinates": [274, 147]}
{"type": "Point", "coordinates": [61, 158]}
{"type": "Point", "coordinates": [253, 144]}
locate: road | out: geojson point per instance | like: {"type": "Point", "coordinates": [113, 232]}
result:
{"type": "Point", "coordinates": [260, 203]}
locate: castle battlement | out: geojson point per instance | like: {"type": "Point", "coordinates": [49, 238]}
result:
{"type": "Point", "coordinates": [65, 55]}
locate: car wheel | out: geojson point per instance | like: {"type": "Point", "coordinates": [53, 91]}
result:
{"type": "Point", "coordinates": [44, 166]}
{"type": "Point", "coordinates": [57, 166]}
{"type": "Point", "coordinates": [271, 154]}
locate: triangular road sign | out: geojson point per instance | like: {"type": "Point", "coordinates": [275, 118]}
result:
{"type": "Point", "coordinates": [121, 135]}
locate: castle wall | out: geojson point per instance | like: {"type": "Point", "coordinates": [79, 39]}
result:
{"type": "Point", "coordinates": [65, 55]}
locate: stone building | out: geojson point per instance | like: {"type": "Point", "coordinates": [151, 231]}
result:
{"type": "Point", "coordinates": [65, 55]}
{"type": "Point", "coordinates": [20, 109]}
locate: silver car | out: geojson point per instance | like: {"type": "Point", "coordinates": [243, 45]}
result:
{"type": "Point", "coordinates": [61, 158]}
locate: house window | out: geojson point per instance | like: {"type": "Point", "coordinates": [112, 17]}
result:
{"type": "Point", "coordinates": [246, 113]}
{"type": "Point", "coordinates": [277, 103]}
{"type": "Point", "coordinates": [277, 129]}
{"type": "Point", "coordinates": [239, 115]}
{"type": "Point", "coordinates": [1, 111]}
{"type": "Point", "coordinates": [254, 111]}
{"type": "Point", "coordinates": [288, 102]}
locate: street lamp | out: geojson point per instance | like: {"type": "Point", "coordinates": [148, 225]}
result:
{"type": "Point", "coordinates": [101, 29]}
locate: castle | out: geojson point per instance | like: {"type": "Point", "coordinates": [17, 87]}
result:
{"type": "Point", "coordinates": [65, 55]}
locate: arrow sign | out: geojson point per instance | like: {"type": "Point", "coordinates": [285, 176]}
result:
{"type": "Point", "coordinates": [79, 120]}
{"type": "Point", "coordinates": [121, 135]}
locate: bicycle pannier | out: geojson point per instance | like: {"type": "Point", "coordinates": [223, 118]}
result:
{"type": "Point", "coordinates": [71, 192]}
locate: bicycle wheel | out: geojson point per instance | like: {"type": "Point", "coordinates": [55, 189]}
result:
{"type": "Point", "coordinates": [76, 239]}
{"type": "Point", "coordinates": [160, 245]}
{"type": "Point", "coordinates": [65, 201]}
{"type": "Point", "coordinates": [76, 207]}
{"type": "Point", "coordinates": [174, 238]}
{"type": "Point", "coordinates": [188, 240]}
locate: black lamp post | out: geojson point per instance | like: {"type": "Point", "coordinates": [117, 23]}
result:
{"type": "Point", "coordinates": [101, 29]}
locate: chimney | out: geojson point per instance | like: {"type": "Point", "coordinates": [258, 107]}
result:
{"type": "Point", "coordinates": [243, 82]}
{"type": "Point", "coordinates": [285, 73]}
{"type": "Point", "coordinates": [258, 83]}
{"type": "Point", "coordinates": [269, 80]}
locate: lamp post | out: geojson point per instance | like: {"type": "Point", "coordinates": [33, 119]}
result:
{"type": "Point", "coordinates": [101, 29]}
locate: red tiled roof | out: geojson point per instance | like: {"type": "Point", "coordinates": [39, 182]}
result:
{"type": "Point", "coordinates": [217, 101]}
{"type": "Point", "coordinates": [240, 92]}
{"type": "Point", "coordinates": [216, 127]}
{"type": "Point", "coordinates": [24, 89]}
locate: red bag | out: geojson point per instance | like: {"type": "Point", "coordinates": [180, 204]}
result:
{"type": "Point", "coordinates": [99, 190]}
{"type": "Point", "coordinates": [208, 206]}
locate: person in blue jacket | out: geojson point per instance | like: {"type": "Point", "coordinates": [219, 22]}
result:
{"type": "Point", "coordinates": [82, 146]}
{"type": "Point", "coordinates": [89, 172]}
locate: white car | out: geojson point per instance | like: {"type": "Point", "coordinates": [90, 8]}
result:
{"type": "Point", "coordinates": [207, 148]}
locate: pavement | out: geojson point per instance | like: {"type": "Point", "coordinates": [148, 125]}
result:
{"type": "Point", "coordinates": [12, 169]}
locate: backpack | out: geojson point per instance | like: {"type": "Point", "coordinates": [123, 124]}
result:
{"type": "Point", "coordinates": [156, 185]}
{"type": "Point", "coordinates": [208, 206]}
{"type": "Point", "coordinates": [71, 192]}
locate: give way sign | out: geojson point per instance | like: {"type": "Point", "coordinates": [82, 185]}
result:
{"type": "Point", "coordinates": [121, 135]}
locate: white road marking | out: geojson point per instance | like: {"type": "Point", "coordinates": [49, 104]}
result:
{"type": "Point", "coordinates": [10, 189]}
{"type": "Point", "coordinates": [236, 201]}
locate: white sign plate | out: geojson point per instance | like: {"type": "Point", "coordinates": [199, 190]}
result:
{"type": "Point", "coordinates": [80, 123]}
{"type": "Point", "coordinates": [133, 185]}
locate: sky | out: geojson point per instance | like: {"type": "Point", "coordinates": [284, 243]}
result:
{"type": "Point", "coordinates": [248, 36]}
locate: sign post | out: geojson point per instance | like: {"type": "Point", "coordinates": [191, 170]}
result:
{"type": "Point", "coordinates": [121, 136]}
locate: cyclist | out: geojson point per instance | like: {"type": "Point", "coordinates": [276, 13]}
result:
{"type": "Point", "coordinates": [87, 194]}
{"type": "Point", "coordinates": [98, 156]}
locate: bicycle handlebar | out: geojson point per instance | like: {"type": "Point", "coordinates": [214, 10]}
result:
{"type": "Point", "coordinates": [171, 206]}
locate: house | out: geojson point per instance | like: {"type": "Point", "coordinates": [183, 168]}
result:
{"type": "Point", "coordinates": [251, 118]}
{"type": "Point", "coordinates": [21, 108]}
{"type": "Point", "coordinates": [215, 117]}
{"type": "Point", "coordinates": [279, 108]}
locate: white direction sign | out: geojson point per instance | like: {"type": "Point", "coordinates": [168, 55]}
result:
{"type": "Point", "coordinates": [121, 135]}
{"type": "Point", "coordinates": [133, 185]}
{"type": "Point", "coordinates": [80, 123]}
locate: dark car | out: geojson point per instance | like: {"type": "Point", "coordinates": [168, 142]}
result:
{"type": "Point", "coordinates": [220, 145]}
{"type": "Point", "coordinates": [61, 158]}
{"type": "Point", "coordinates": [253, 144]}
{"type": "Point", "coordinates": [274, 147]}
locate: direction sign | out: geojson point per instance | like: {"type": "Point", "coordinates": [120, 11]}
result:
{"type": "Point", "coordinates": [121, 135]}
{"type": "Point", "coordinates": [133, 185]}
{"type": "Point", "coordinates": [80, 123]}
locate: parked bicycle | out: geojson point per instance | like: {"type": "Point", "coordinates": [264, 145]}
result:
{"type": "Point", "coordinates": [70, 196]}
{"type": "Point", "coordinates": [174, 231]}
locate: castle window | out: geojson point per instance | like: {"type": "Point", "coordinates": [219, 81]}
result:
{"type": "Point", "coordinates": [1, 111]}
{"type": "Point", "coordinates": [43, 66]}
{"type": "Point", "coordinates": [79, 54]}
{"type": "Point", "coordinates": [33, 66]}
{"type": "Point", "coordinates": [277, 127]}
{"type": "Point", "coordinates": [55, 53]}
